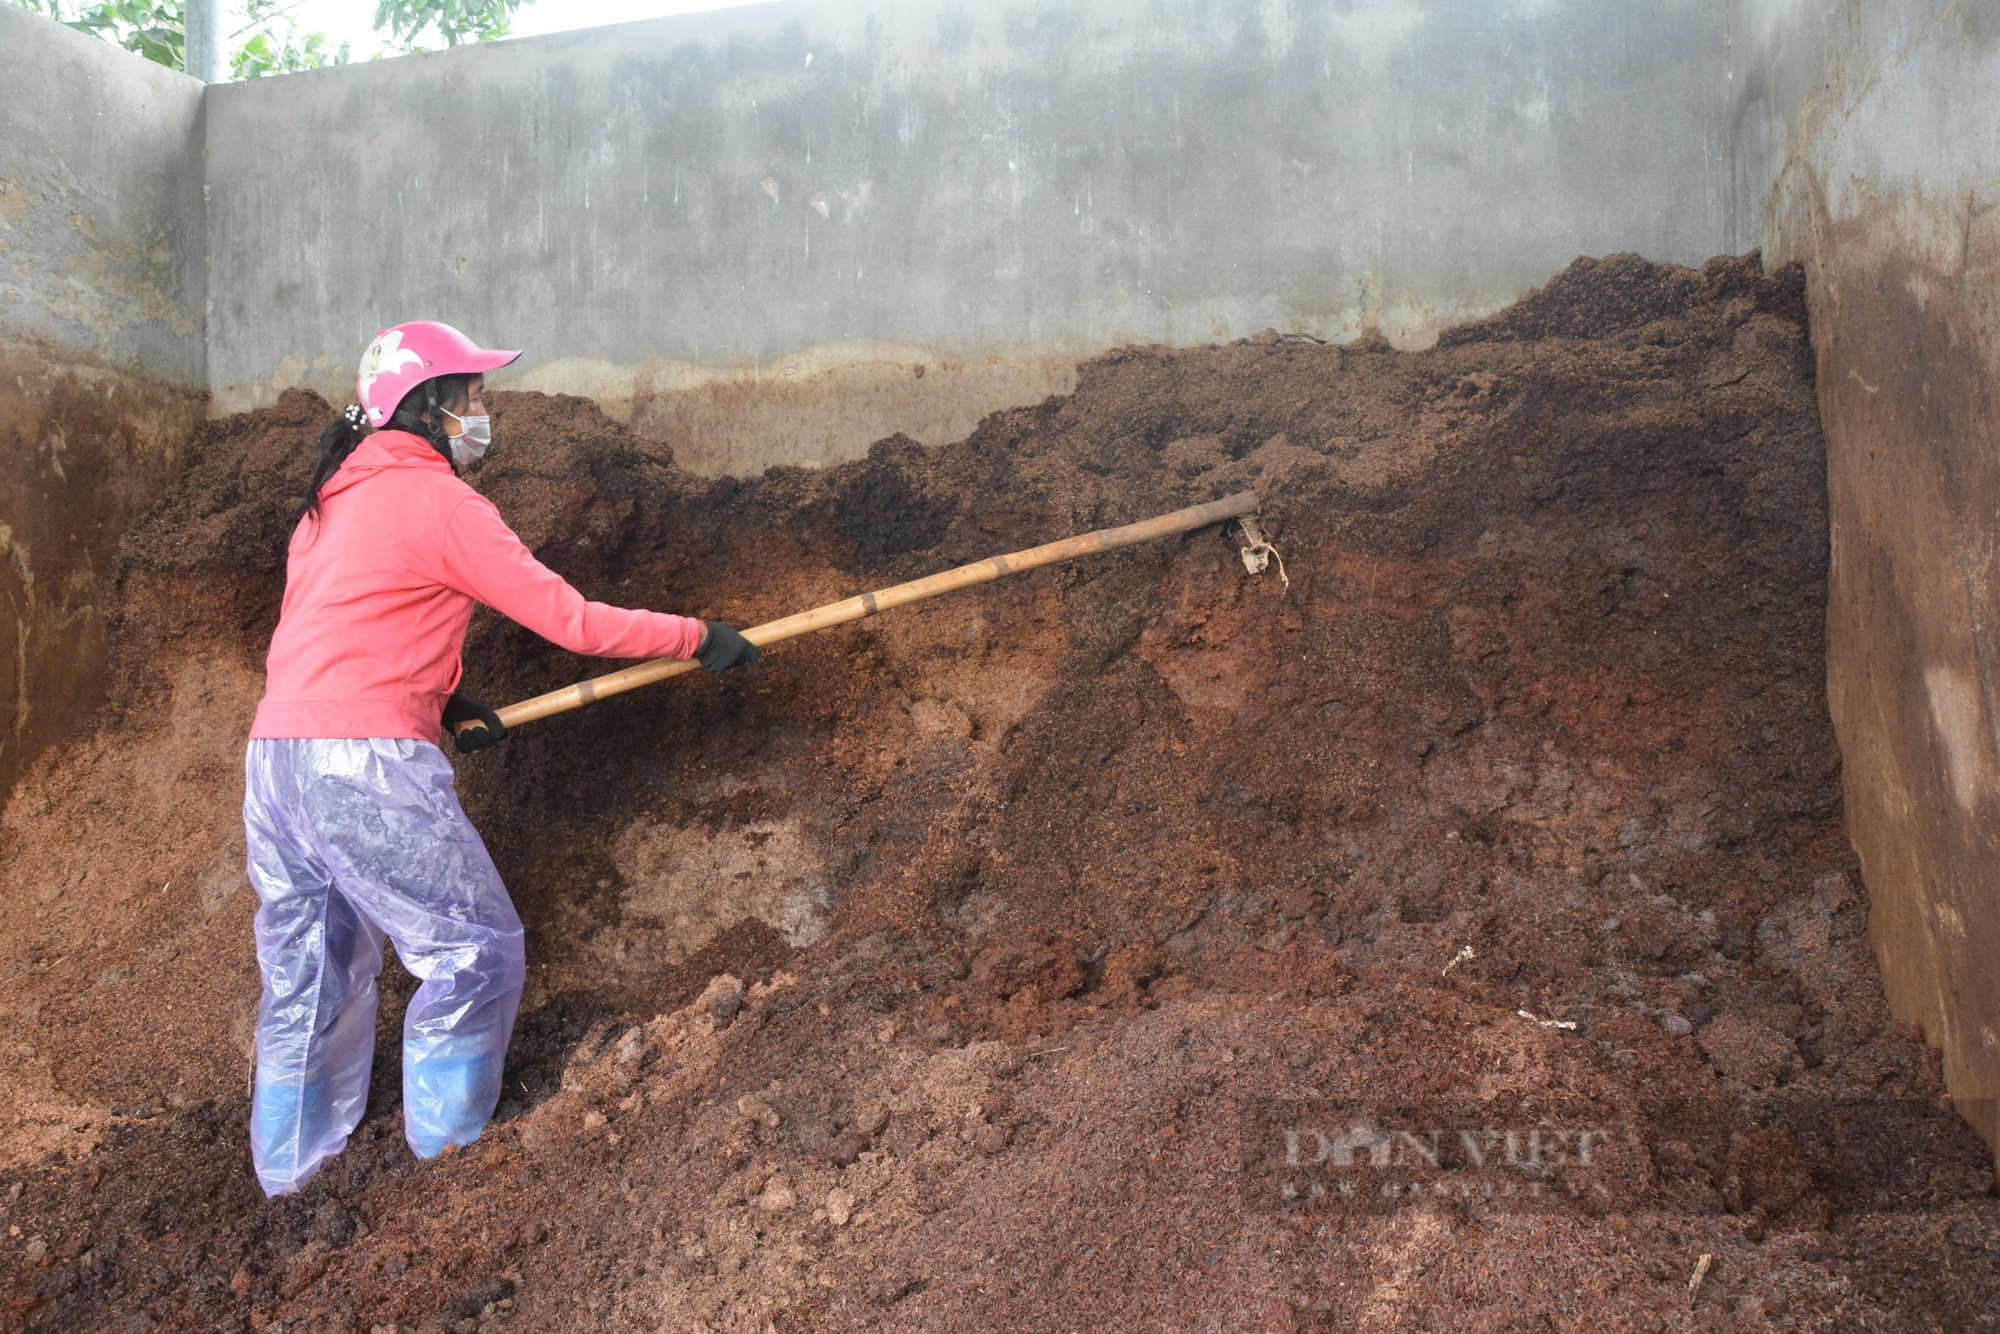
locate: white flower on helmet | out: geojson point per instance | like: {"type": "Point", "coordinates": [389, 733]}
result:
{"type": "Point", "coordinates": [385, 356]}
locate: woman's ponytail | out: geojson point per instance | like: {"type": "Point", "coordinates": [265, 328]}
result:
{"type": "Point", "coordinates": [336, 442]}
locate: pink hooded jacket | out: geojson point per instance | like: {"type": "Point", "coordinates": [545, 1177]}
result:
{"type": "Point", "coordinates": [379, 591]}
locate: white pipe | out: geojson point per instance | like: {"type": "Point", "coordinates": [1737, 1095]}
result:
{"type": "Point", "coordinates": [204, 41]}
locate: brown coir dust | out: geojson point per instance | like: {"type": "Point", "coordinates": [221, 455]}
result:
{"type": "Point", "coordinates": [954, 970]}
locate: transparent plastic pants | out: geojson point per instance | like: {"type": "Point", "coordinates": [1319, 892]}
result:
{"type": "Point", "coordinates": [351, 841]}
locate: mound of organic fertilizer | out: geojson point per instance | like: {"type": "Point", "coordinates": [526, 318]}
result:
{"type": "Point", "coordinates": [1023, 960]}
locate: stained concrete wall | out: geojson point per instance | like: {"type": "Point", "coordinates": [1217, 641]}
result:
{"type": "Point", "coordinates": [1867, 137]}
{"type": "Point", "coordinates": [102, 364]}
{"type": "Point", "coordinates": [776, 234]}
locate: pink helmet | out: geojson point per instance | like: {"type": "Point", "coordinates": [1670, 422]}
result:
{"type": "Point", "coordinates": [405, 356]}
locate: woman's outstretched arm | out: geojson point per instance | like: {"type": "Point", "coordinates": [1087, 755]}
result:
{"type": "Point", "coordinates": [483, 558]}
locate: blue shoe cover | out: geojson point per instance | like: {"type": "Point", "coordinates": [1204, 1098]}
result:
{"type": "Point", "coordinates": [447, 1099]}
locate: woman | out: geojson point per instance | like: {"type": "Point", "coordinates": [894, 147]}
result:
{"type": "Point", "coordinates": [354, 831]}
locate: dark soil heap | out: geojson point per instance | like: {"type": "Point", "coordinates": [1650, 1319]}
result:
{"type": "Point", "coordinates": [947, 971]}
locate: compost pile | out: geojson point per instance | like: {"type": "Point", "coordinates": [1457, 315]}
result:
{"type": "Point", "coordinates": [948, 970]}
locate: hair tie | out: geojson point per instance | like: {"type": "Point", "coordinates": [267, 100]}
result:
{"type": "Point", "coordinates": [353, 414]}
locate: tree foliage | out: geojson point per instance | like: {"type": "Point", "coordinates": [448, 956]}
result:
{"type": "Point", "coordinates": [269, 48]}
{"type": "Point", "coordinates": [271, 43]}
{"type": "Point", "coordinates": [155, 29]}
{"type": "Point", "coordinates": [408, 21]}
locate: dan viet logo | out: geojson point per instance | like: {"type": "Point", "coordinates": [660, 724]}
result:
{"type": "Point", "coordinates": [1384, 1155]}
{"type": "Point", "coordinates": [1782, 1157]}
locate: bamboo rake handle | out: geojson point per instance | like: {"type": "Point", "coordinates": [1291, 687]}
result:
{"type": "Point", "coordinates": [868, 604]}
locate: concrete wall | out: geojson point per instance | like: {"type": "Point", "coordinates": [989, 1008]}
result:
{"type": "Point", "coordinates": [1867, 136]}
{"type": "Point", "coordinates": [102, 363]}
{"type": "Point", "coordinates": [776, 234]}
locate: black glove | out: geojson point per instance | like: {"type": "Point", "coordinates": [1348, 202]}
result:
{"type": "Point", "coordinates": [725, 648]}
{"type": "Point", "coordinates": [459, 709]}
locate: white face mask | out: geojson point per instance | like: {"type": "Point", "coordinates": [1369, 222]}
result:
{"type": "Point", "coordinates": [475, 434]}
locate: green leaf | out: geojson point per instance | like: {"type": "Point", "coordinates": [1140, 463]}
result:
{"type": "Point", "coordinates": [157, 29]}
{"type": "Point", "coordinates": [271, 51]}
{"type": "Point", "coordinates": [453, 20]}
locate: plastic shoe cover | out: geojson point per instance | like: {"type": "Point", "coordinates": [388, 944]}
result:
{"type": "Point", "coordinates": [447, 1096]}
{"type": "Point", "coordinates": [277, 1131]}
{"type": "Point", "coordinates": [351, 841]}
{"type": "Point", "coordinates": [300, 1116]}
